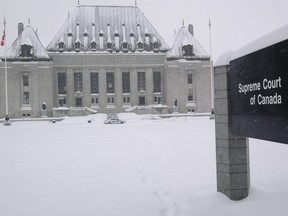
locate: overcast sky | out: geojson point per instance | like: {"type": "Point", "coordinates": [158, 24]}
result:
{"type": "Point", "coordinates": [234, 22]}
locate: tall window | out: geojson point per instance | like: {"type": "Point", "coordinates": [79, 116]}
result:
{"type": "Point", "coordinates": [25, 80]}
{"type": "Point", "coordinates": [190, 78]}
{"type": "Point", "coordinates": [157, 81]}
{"type": "Point", "coordinates": [78, 84]}
{"type": "Point", "coordinates": [61, 46]}
{"type": "Point", "coordinates": [94, 83]}
{"type": "Point", "coordinates": [25, 89]}
{"type": "Point", "coordinates": [62, 83]}
{"type": "Point", "coordinates": [110, 87]}
{"type": "Point", "coordinates": [125, 46]}
{"type": "Point", "coordinates": [26, 98]}
{"type": "Point", "coordinates": [190, 95]}
{"type": "Point", "coordinates": [190, 86]}
{"type": "Point", "coordinates": [77, 46]}
{"type": "Point", "coordinates": [140, 46]}
{"type": "Point", "coordinates": [141, 81]}
{"type": "Point", "coordinates": [126, 82]}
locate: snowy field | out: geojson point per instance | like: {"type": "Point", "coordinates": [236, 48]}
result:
{"type": "Point", "coordinates": [146, 167]}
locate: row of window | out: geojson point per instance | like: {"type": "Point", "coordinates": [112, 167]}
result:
{"type": "Point", "coordinates": [110, 100]}
{"type": "Point", "coordinates": [109, 46]}
{"type": "Point", "coordinates": [110, 82]}
{"type": "Point", "coordinates": [110, 86]}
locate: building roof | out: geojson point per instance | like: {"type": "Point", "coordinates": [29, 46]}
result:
{"type": "Point", "coordinates": [116, 23]}
{"type": "Point", "coordinates": [30, 38]}
{"type": "Point", "coordinates": [183, 38]}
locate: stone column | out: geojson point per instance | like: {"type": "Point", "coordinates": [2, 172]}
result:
{"type": "Point", "coordinates": [232, 151]}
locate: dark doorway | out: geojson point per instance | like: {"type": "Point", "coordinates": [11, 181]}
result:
{"type": "Point", "coordinates": [141, 101]}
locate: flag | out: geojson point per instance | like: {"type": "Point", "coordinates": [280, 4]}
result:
{"type": "Point", "coordinates": [3, 39]}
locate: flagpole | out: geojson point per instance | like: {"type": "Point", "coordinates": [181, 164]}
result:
{"type": "Point", "coordinates": [6, 122]}
{"type": "Point", "coordinates": [212, 116]}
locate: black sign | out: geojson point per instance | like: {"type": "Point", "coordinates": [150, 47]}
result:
{"type": "Point", "coordinates": [259, 94]}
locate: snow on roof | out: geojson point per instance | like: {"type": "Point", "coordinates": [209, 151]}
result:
{"type": "Point", "coordinates": [27, 41]}
{"type": "Point", "coordinates": [116, 16]}
{"type": "Point", "coordinates": [184, 37]}
{"type": "Point", "coordinates": [267, 40]}
{"type": "Point", "coordinates": [27, 37]}
{"type": "Point", "coordinates": [224, 59]}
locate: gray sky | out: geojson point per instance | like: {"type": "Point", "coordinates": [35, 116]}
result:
{"type": "Point", "coordinates": [234, 22]}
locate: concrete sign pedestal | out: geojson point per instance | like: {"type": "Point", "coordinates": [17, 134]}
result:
{"type": "Point", "coordinates": [232, 152]}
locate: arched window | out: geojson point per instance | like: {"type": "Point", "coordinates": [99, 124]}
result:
{"type": "Point", "coordinates": [61, 46]}
{"type": "Point", "coordinates": [77, 46]}
{"type": "Point", "coordinates": [140, 46]}
{"type": "Point", "coordinates": [109, 46]}
{"type": "Point", "coordinates": [93, 45]}
{"type": "Point", "coordinates": [156, 46]}
{"type": "Point", "coordinates": [125, 46]}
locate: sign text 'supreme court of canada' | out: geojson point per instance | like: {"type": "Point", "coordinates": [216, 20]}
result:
{"type": "Point", "coordinates": [259, 94]}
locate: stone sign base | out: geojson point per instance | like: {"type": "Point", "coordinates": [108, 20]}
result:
{"type": "Point", "coordinates": [232, 152]}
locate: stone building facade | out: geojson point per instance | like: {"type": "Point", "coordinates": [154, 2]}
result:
{"type": "Point", "coordinates": [105, 59]}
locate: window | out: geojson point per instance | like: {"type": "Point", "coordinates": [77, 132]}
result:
{"type": "Point", "coordinates": [94, 83]}
{"type": "Point", "coordinates": [126, 82]}
{"type": "Point", "coordinates": [190, 78]}
{"type": "Point", "coordinates": [188, 50]}
{"type": "Point", "coordinates": [110, 82]}
{"type": "Point", "coordinates": [155, 46]}
{"type": "Point", "coordinates": [141, 81]}
{"type": "Point", "coordinates": [77, 46]}
{"type": "Point", "coordinates": [109, 46]}
{"type": "Point", "coordinates": [62, 102]}
{"type": "Point", "coordinates": [157, 81]}
{"type": "Point", "coordinates": [78, 84]}
{"type": "Point", "coordinates": [157, 99]}
{"type": "Point", "coordinates": [140, 46]}
{"type": "Point", "coordinates": [93, 45]}
{"type": "Point", "coordinates": [26, 98]}
{"type": "Point", "coordinates": [126, 100]}
{"type": "Point", "coordinates": [26, 51]}
{"type": "Point", "coordinates": [94, 100]}
{"type": "Point", "coordinates": [25, 80]}
{"type": "Point", "coordinates": [110, 100]}
{"type": "Point", "coordinates": [61, 83]}
{"type": "Point", "coordinates": [190, 95]}
{"type": "Point", "coordinates": [125, 46]}
{"type": "Point", "coordinates": [190, 86]}
{"type": "Point", "coordinates": [61, 45]}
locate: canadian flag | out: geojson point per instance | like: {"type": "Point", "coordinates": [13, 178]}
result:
{"type": "Point", "coordinates": [3, 39]}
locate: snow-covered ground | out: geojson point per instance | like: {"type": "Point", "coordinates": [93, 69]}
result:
{"type": "Point", "coordinates": [146, 167]}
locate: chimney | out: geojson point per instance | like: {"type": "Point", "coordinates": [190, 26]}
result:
{"type": "Point", "coordinates": [20, 28]}
{"type": "Point", "coordinates": [190, 29]}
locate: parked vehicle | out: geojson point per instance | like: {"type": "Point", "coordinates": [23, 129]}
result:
{"type": "Point", "coordinates": [113, 119]}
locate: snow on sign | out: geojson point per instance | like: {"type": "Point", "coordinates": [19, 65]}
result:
{"type": "Point", "coordinates": [259, 93]}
